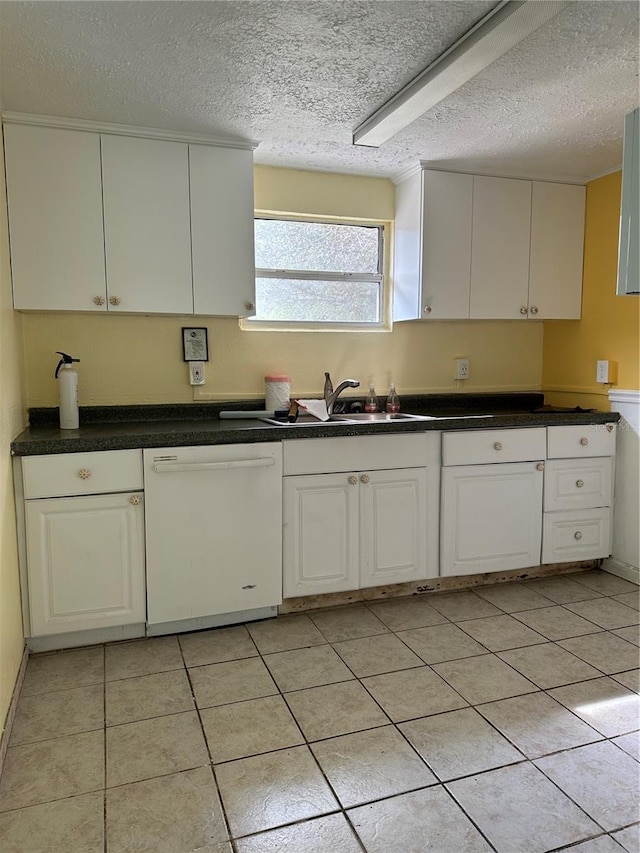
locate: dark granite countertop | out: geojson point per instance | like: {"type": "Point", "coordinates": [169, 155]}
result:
{"type": "Point", "coordinates": [180, 425]}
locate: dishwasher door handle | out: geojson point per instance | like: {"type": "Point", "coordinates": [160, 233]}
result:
{"type": "Point", "coordinates": [176, 467]}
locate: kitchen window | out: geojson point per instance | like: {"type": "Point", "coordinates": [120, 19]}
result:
{"type": "Point", "coordinates": [316, 274]}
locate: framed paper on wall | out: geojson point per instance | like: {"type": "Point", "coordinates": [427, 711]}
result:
{"type": "Point", "coordinates": [195, 344]}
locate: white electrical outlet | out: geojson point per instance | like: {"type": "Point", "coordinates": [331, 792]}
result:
{"type": "Point", "coordinates": [462, 368]}
{"type": "Point", "coordinates": [196, 372]}
{"type": "Point", "coordinates": [602, 372]}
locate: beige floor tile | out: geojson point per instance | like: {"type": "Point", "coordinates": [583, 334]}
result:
{"type": "Point", "coordinates": [556, 623]}
{"type": "Point", "coordinates": [561, 589]}
{"type": "Point", "coordinates": [65, 712]}
{"type": "Point", "coordinates": [512, 597]}
{"type": "Point", "coordinates": [371, 765]}
{"type": "Point", "coordinates": [441, 642]}
{"type": "Point", "coordinates": [173, 814]}
{"type": "Point", "coordinates": [518, 809]}
{"type": "Point", "coordinates": [347, 623]}
{"type": "Point", "coordinates": [330, 834]}
{"type": "Point", "coordinates": [52, 770]}
{"type": "Point", "coordinates": [413, 693]}
{"type": "Point", "coordinates": [217, 646]}
{"type": "Point", "coordinates": [604, 582]}
{"type": "Point", "coordinates": [631, 635]}
{"type": "Point", "coordinates": [249, 728]}
{"type": "Point", "coordinates": [629, 838]}
{"type": "Point", "coordinates": [537, 724]}
{"type": "Point", "coordinates": [630, 743]}
{"type": "Point", "coordinates": [62, 670]}
{"type": "Point", "coordinates": [426, 821]}
{"type": "Point", "coordinates": [336, 709]}
{"type": "Point", "coordinates": [630, 679]}
{"type": "Point", "coordinates": [142, 657]}
{"type": "Point", "coordinates": [148, 696]}
{"type": "Point", "coordinates": [498, 633]}
{"type": "Point", "coordinates": [607, 706]}
{"type": "Point", "coordinates": [600, 779]}
{"type": "Point", "coordinates": [606, 613]}
{"type": "Point", "coordinates": [75, 825]}
{"type": "Point", "coordinates": [270, 790]}
{"type": "Point", "coordinates": [374, 655]}
{"type": "Point", "coordinates": [603, 844]}
{"type": "Point", "coordinates": [462, 605]}
{"type": "Point", "coordinates": [223, 683]}
{"type": "Point", "coordinates": [483, 679]}
{"type": "Point", "coordinates": [148, 748]}
{"type": "Point", "coordinates": [605, 651]}
{"type": "Point", "coordinates": [459, 743]}
{"type": "Point", "coordinates": [402, 614]}
{"type": "Point", "coordinates": [548, 665]}
{"type": "Point", "coordinates": [303, 668]}
{"type": "Point", "coordinates": [285, 633]}
{"type": "Point", "coordinates": [631, 599]}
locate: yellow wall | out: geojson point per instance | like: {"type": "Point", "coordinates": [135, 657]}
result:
{"type": "Point", "coordinates": [128, 359]}
{"type": "Point", "coordinates": [11, 422]}
{"type": "Point", "coordinates": [609, 325]}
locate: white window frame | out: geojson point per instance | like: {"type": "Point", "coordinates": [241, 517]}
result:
{"type": "Point", "coordinates": [382, 277]}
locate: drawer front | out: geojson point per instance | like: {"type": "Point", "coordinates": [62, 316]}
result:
{"type": "Point", "coordinates": [566, 442]}
{"type": "Point", "coordinates": [369, 453]}
{"type": "Point", "coordinates": [576, 535]}
{"type": "Point", "coordinates": [67, 474]}
{"type": "Point", "coordinates": [578, 483]}
{"type": "Point", "coordinates": [483, 447]}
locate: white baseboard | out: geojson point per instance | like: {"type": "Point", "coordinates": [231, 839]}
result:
{"type": "Point", "coordinates": [622, 570]}
{"type": "Point", "coordinates": [11, 713]}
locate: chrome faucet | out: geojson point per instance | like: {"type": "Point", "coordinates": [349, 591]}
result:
{"type": "Point", "coordinates": [330, 396]}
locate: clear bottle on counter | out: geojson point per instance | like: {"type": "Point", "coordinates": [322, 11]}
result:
{"type": "Point", "coordinates": [371, 403]}
{"type": "Point", "coordinates": [393, 401]}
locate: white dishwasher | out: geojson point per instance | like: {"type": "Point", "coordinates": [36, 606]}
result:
{"type": "Point", "coordinates": [213, 534]}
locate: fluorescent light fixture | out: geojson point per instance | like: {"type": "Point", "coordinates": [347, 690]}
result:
{"type": "Point", "coordinates": [503, 28]}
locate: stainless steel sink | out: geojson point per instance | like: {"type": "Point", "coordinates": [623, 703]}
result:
{"type": "Point", "coordinates": [305, 420]}
{"type": "Point", "coordinates": [380, 417]}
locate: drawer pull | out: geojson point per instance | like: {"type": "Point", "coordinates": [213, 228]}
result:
{"type": "Point", "coordinates": [609, 427]}
{"type": "Point", "coordinates": [84, 473]}
{"type": "Point", "coordinates": [577, 535]}
{"type": "Point", "coordinates": [353, 480]}
{"type": "Point", "coordinates": [98, 300]}
{"type": "Point", "coordinates": [584, 441]}
{"type": "Point", "coordinates": [364, 478]}
{"type": "Point", "coordinates": [540, 466]}
{"type": "Point", "coordinates": [579, 484]}
{"type": "Point", "coordinates": [497, 445]}
{"type": "Point", "coordinates": [135, 500]}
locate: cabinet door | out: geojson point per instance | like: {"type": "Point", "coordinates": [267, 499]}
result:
{"type": "Point", "coordinates": [446, 246]}
{"type": "Point", "coordinates": [500, 248]}
{"type": "Point", "coordinates": [557, 241]}
{"type": "Point", "coordinates": [147, 231]}
{"type": "Point", "coordinates": [54, 195]}
{"type": "Point", "coordinates": [85, 562]}
{"type": "Point", "coordinates": [222, 230]}
{"type": "Point", "coordinates": [491, 518]}
{"type": "Point", "coordinates": [393, 527]}
{"type": "Point", "coordinates": [321, 534]}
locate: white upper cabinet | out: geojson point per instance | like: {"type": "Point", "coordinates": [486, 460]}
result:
{"type": "Point", "coordinates": [500, 248]}
{"type": "Point", "coordinates": [222, 230]}
{"type": "Point", "coordinates": [54, 196]}
{"type": "Point", "coordinates": [146, 217]}
{"type": "Point", "coordinates": [629, 245]}
{"type": "Point", "coordinates": [557, 248]}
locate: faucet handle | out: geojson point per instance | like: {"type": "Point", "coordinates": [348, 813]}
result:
{"type": "Point", "coordinates": [328, 386]}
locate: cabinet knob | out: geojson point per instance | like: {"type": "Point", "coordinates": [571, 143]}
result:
{"type": "Point", "coordinates": [364, 478]}
{"type": "Point", "coordinates": [427, 309]}
{"type": "Point", "coordinates": [533, 310]}
{"type": "Point", "coordinates": [584, 441]}
{"type": "Point", "coordinates": [609, 427]}
{"type": "Point", "coordinates": [250, 306]}
{"type": "Point", "coordinates": [540, 466]}
{"type": "Point", "coordinates": [353, 480]}
{"type": "Point", "coordinates": [579, 484]}
{"type": "Point", "coordinates": [523, 310]}
{"type": "Point", "coordinates": [114, 300]}
{"type": "Point", "coordinates": [135, 500]}
{"type": "Point", "coordinates": [84, 473]}
{"type": "Point", "coordinates": [497, 445]}
{"type": "Point", "coordinates": [577, 535]}
{"type": "Point", "coordinates": [98, 300]}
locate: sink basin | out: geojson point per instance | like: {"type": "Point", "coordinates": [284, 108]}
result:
{"type": "Point", "coordinates": [380, 417]}
{"type": "Point", "coordinates": [305, 420]}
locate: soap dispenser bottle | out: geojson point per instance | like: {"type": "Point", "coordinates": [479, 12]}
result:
{"type": "Point", "coordinates": [371, 403]}
{"type": "Point", "coordinates": [68, 378]}
{"type": "Point", "coordinates": [393, 401]}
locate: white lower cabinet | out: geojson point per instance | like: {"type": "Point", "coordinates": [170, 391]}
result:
{"type": "Point", "coordinates": [576, 535]}
{"type": "Point", "coordinates": [86, 562]}
{"type": "Point", "coordinates": [359, 528]}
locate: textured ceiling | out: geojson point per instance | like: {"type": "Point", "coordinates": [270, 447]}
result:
{"type": "Point", "coordinates": [299, 76]}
